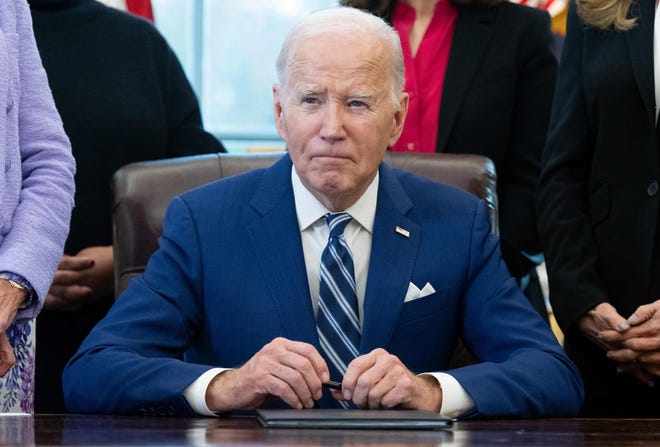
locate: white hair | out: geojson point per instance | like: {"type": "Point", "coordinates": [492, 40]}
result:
{"type": "Point", "coordinates": [344, 21]}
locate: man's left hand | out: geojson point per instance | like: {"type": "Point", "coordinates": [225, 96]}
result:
{"type": "Point", "coordinates": [380, 380]}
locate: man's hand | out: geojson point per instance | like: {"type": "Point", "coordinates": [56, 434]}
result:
{"type": "Point", "coordinates": [640, 344]}
{"type": "Point", "coordinates": [82, 278]}
{"type": "Point", "coordinates": [380, 380]}
{"type": "Point", "coordinates": [603, 317]}
{"type": "Point", "coordinates": [291, 370]}
{"type": "Point", "coordinates": [7, 358]}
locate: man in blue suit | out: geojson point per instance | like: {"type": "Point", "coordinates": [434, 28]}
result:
{"type": "Point", "coordinates": [234, 286]}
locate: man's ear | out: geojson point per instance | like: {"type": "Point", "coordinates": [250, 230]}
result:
{"type": "Point", "coordinates": [277, 108]}
{"type": "Point", "coordinates": [399, 119]}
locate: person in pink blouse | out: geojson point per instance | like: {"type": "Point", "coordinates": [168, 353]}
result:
{"type": "Point", "coordinates": [481, 76]}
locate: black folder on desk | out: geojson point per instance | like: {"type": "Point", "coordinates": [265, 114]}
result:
{"type": "Point", "coordinates": [358, 419]}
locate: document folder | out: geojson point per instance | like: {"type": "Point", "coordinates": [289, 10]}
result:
{"type": "Point", "coordinates": [357, 419]}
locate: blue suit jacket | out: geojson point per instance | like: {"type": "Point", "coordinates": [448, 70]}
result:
{"type": "Point", "coordinates": [229, 276]}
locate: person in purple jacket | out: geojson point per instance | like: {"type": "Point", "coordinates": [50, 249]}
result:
{"type": "Point", "coordinates": [36, 198]}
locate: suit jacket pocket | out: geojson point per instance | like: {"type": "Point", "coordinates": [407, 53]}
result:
{"type": "Point", "coordinates": [599, 204]}
{"type": "Point", "coordinates": [417, 310]}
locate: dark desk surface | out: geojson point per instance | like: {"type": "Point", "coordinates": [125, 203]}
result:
{"type": "Point", "coordinates": [121, 430]}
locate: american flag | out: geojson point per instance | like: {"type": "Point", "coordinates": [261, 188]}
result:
{"type": "Point", "coordinates": [556, 8]}
{"type": "Point", "coordinates": [138, 7]}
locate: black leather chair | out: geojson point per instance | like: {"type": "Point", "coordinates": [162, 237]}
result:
{"type": "Point", "coordinates": [143, 190]}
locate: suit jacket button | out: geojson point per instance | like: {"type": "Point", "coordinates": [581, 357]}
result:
{"type": "Point", "coordinates": [652, 190]}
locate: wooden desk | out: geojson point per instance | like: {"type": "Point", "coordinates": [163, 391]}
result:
{"type": "Point", "coordinates": [42, 430]}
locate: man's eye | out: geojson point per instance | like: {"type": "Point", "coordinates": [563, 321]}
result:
{"type": "Point", "coordinates": [310, 101]}
{"type": "Point", "coordinates": [356, 103]}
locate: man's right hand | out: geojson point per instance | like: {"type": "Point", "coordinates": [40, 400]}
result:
{"type": "Point", "coordinates": [291, 370]}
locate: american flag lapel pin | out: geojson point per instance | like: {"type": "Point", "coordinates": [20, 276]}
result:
{"type": "Point", "coordinates": [402, 231]}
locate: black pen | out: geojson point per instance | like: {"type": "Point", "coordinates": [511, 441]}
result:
{"type": "Point", "coordinates": [332, 385]}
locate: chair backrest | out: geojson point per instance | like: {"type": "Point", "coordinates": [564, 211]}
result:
{"type": "Point", "coordinates": [143, 190]}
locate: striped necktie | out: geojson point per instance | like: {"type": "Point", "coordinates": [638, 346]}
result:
{"type": "Point", "coordinates": [337, 319]}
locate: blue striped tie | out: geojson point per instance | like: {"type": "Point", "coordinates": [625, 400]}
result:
{"type": "Point", "coordinates": [337, 319]}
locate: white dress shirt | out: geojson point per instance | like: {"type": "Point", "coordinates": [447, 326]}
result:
{"type": "Point", "coordinates": [314, 234]}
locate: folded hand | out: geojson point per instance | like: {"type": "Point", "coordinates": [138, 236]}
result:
{"type": "Point", "coordinates": [380, 380]}
{"type": "Point", "coordinates": [291, 370]}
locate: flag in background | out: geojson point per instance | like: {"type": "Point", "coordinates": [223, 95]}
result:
{"type": "Point", "coordinates": [558, 10]}
{"type": "Point", "coordinates": [138, 7]}
{"type": "Point", "coordinates": [141, 8]}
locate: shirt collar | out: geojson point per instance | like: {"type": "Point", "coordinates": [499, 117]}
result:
{"type": "Point", "coordinates": [309, 209]}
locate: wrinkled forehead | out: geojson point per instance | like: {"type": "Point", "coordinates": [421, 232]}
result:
{"type": "Point", "coordinates": [340, 60]}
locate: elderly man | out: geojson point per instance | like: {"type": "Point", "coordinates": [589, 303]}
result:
{"type": "Point", "coordinates": [327, 266]}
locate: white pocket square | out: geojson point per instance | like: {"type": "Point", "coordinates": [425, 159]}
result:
{"type": "Point", "coordinates": [414, 293]}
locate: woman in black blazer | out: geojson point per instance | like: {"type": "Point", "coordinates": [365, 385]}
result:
{"type": "Point", "coordinates": [598, 206]}
{"type": "Point", "coordinates": [496, 101]}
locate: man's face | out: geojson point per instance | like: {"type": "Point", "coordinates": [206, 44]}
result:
{"type": "Point", "coordinates": [337, 116]}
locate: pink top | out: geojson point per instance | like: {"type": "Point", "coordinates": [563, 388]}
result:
{"type": "Point", "coordinates": [425, 74]}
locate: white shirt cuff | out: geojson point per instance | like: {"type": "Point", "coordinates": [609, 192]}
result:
{"type": "Point", "coordinates": [455, 400]}
{"type": "Point", "coordinates": [195, 393]}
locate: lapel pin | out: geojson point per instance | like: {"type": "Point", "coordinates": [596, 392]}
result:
{"type": "Point", "coordinates": [402, 231]}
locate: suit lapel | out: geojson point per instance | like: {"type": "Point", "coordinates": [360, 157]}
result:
{"type": "Point", "coordinates": [278, 247]}
{"type": "Point", "coordinates": [472, 33]}
{"type": "Point", "coordinates": [392, 260]}
{"type": "Point", "coordinates": [640, 46]}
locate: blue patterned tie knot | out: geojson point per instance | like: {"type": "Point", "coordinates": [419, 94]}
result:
{"type": "Point", "coordinates": [337, 223]}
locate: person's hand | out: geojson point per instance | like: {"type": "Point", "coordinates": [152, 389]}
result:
{"type": "Point", "coordinates": [7, 358]}
{"type": "Point", "coordinates": [380, 380]}
{"type": "Point", "coordinates": [603, 317]}
{"type": "Point", "coordinates": [10, 299]}
{"type": "Point", "coordinates": [83, 278]}
{"type": "Point", "coordinates": [638, 346]}
{"type": "Point", "coordinates": [291, 370]}
{"type": "Point", "coordinates": [637, 371]}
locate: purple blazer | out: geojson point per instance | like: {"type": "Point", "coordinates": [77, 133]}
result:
{"type": "Point", "coordinates": [36, 164]}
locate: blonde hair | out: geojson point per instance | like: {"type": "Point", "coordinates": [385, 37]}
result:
{"type": "Point", "coordinates": [606, 14]}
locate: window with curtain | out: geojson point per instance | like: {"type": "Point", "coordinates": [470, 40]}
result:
{"type": "Point", "coordinates": [228, 50]}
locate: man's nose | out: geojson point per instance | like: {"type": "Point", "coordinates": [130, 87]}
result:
{"type": "Point", "coordinates": [333, 122]}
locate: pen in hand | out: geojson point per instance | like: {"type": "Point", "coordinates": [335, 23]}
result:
{"type": "Point", "coordinates": [332, 385]}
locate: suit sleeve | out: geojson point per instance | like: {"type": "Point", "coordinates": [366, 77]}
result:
{"type": "Point", "coordinates": [131, 361]}
{"type": "Point", "coordinates": [569, 245]}
{"type": "Point", "coordinates": [524, 372]}
{"type": "Point", "coordinates": [537, 69]}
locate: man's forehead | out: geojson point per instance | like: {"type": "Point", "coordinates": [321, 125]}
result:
{"type": "Point", "coordinates": [319, 75]}
{"type": "Point", "coordinates": [348, 88]}
{"type": "Point", "coordinates": [325, 51]}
